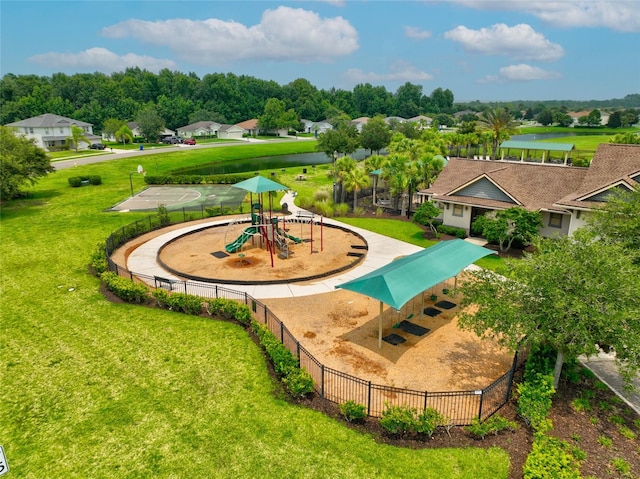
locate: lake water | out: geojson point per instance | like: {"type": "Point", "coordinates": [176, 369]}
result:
{"type": "Point", "coordinates": [265, 163]}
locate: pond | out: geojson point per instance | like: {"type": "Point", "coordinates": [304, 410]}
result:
{"type": "Point", "coordinates": [264, 163]}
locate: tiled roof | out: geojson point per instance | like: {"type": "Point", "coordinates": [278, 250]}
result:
{"type": "Point", "coordinates": [612, 164]}
{"type": "Point", "coordinates": [534, 186]}
{"type": "Point", "coordinates": [48, 120]}
{"type": "Point", "coordinates": [248, 124]}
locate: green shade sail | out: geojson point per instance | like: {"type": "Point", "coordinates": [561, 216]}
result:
{"type": "Point", "coordinates": [397, 282]}
{"type": "Point", "coordinates": [260, 184]}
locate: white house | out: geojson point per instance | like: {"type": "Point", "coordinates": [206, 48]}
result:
{"type": "Point", "coordinates": [316, 127]}
{"type": "Point", "coordinates": [133, 126]}
{"type": "Point", "coordinates": [468, 188]}
{"type": "Point", "coordinates": [250, 127]}
{"type": "Point", "coordinates": [51, 131]}
{"type": "Point", "coordinates": [230, 132]}
{"type": "Point", "coordinates": [200, 128]}
{"type": "Point", "coordinates": [359, 122]}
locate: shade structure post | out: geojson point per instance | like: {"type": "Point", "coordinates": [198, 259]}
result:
{"type": "Point", "coordinates": [380, 327]}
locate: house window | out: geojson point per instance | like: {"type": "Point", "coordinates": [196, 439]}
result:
{"type": "Point", "coordinates": [457, 210]}
{"type": "Point", "coordinates": [46, 131]}
{"type": "Point", "coordinates": [61, 130]}
{"type": "Point", "coordinates": [555, 220]}
{"type": "Point", "coordinates": [31, 130]}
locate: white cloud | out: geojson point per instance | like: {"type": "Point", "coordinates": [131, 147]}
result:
{"type": "Point", "coordinates": [520, 41]}
{"type": "Point", "coordinates": [619, 15]}
{"type": "Point", "coordinates": [283, 34]}
{"type": "Point", "coordinates": [520, 73]}
{"type": "Point", "coordinates": [101, 59]}
{"type": "Point", "coordinates": [416, 33]}
{"type": "Point", "coordinates": [400, 71]}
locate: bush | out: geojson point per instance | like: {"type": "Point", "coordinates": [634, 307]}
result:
{"type": "Point", "coordinates": [321, 195]}
{"type": "Point", "coordinates": [95, 180]}
{"type": "Point", "coordinates": [452, 231]}
{"type": "Point", "coordinates": [229, 309]}
{"type": "Point", "coordinates": [299, 382]}
{"type": "Point", "coordinates": [534, 400]}
{"type": "Point", "coordinates": [398, 420]}
{"type": "Point", "coordinates": [342, 209]}
{"type": "Point", "coordinates": [99, 259]}
{"type": "Point", "coordinates": [75, 181]}
{"type": "Point", "coordinates": [124, 288]}
{"type": "Point", "coordinates": [428, 421]}
{"type": "Point", "coordinates": [359, 211]}
{"type": "Point", "coordinates": [183, 303]}
{"type": "Point", "coordinates": [352, 411]}
{"type": "Point", "coordinates": [549, 459]}
{"type": "Point", "coordinates": [493, 425]}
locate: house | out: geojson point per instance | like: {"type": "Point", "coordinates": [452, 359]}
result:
{"type": "Point", "coordinates": [133, 126]}
{"type": "Point", "coordinates": [230, 132]}
{"type": "Point", "coordinates": [250, 127]}
{"type": "Point", "coordinates": [391, 120]}
{"type": "Point", "coordinates": [576, 115]}
{"type": "Point", "coordinates": [424, 121]}
{"type": "Point", "coordinates": [316, 127]}
{"type": "Point", "coordinates": [200, 128]}
{"type": "Point", "coordinates": [468, 188]}
{"type": "Point", "coordinates": [51, 131]}
{"type": "Point", "coordinates": [359, 123]}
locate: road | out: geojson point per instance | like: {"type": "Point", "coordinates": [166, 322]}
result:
{"type": "Point", "coordinates": [117, 154]}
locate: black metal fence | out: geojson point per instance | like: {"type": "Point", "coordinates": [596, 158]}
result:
{"type": "Point", "coordinates": [460, 407]}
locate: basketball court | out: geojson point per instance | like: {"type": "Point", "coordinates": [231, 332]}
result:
{"type": "Point", "coordinates": [179, 197]}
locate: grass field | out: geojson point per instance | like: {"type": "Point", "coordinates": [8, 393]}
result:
{"type": "Point", "coordinates": [101, 390]}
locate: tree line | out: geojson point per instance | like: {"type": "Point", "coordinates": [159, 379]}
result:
{"type": "Point", "coordinates": [184, 98]}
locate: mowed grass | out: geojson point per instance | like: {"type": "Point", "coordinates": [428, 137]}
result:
{"type": "Point", "coordinates": [101, 390]}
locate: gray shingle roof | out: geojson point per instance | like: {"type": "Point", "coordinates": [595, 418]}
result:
{"type": "Point", "coordinates": [48, 120]}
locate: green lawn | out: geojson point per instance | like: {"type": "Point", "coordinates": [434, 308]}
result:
{"type": "Point", "coordinates": [102, 390]}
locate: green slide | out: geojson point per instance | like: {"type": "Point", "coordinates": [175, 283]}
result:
{"type": "Point", "coordinates": [242, 239]}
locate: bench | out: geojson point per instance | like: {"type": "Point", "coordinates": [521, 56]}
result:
{"type": "Point", "coordinates": [165, 283]}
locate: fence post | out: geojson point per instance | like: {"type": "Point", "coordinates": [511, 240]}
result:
{"type": "Point", "coordinates": [298, 352]}
{"type": "Point", "coordinates": [369, 400]}
{"type": "Point", "coordinates": [426, 393]}
{"type": "Point", "coordinates": [322, 381]}
{"type": "Point", "coordinates": [185, 287]}
{"type": "Point", "coordinates": [480, 408]}
{"type": "Point", "coordinates": [246, 298]}
{"type": "Point", "coordinates": [216, 291]}
{"type": "Point", "coordinates": [265, 315]}
{"type": "Point", "coordinates": [511, 374]}
{"type": "Point", "coordinates": [281, 332]}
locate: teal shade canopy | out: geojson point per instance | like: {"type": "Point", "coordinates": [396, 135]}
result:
{"type": "Point", "coordinates": [397, 282]}
{"type": "Point", "coordinates": [260, 184]}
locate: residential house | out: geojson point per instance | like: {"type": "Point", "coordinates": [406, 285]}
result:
{"type": "Point", "coordinates": [133, 126]}
{"type": "Point", "coordinates": [230, 132]}
{"type": "Point", "coordinates": [468, 188]}
{"type": "Point", "coordinates": [316, 127]}
{"type": "Point", "coordinates": [359, 122]}
{"type": "Point", "coordinates": [250, 127]}
{"type": "Point", "coordinates": [424, 121]}
{"type": "Point", "coordinates": [391, 120]}
{"type": "Point", "coordinates": [199, 129]}
{"type": "Point", "coordinates": [576, 115]}
{"type": "Point", "coordinates": [51, 131]}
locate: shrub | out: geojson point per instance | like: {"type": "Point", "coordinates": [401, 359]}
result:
{"type": "Point", "coordinates": [428, 421]}
{"type": "Point", "coordinates": [184, 303]}
{"type": "Point", "coordinates": [398, 420]}
{"type": "Point", "coordinates": [534, 400]}
{"type": "Point", "coordinates": [321, 195]}
{"type": "Point", "coordinates": [124, 288]}
{"type": "Point", "coordinates": [549, 459]}
{"type": "Point", "coordinates": [75, 181]}
{"type": "Point", "coordinates": [163, 215]}
{"type": "Point", "coordinates": [581, 404]}
{"type": "Point", "coordinates": [352, 411]}
{"type": "Point", "coordinates": [99, 259]}
{"type": "Point", "coordinates": [299, 382]}
{"type": "Point", "coordinates": [493, 425]}
{"type": "Point", "coordinates": [358, 211]}
{"type": "Point", "coordinates": [324, 208]}
{"type": "Point", "coordinates": [452, 231]}
{"type": "Point", "coordinates": [95, 180]}
{"type": "Point", "coordinates": [342, 209]}
{"type": "Point", "coordinates": [229, 309]}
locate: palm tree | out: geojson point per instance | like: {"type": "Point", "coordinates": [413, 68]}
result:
{"type": "Point", "coordinates": [398, 174]}
{"type": "Point", "coordinates": [77, 135]}
{"type": "Point", "coordinates": [354, 180]}
{"type": "Point", "coordinates": [124, 134]}
{"type": "Point", "coordinates": [371, 164]}
{"type": "Point", "coordinates": [343, 166]}
{"type": "Point", "coordinates": [501, 125]}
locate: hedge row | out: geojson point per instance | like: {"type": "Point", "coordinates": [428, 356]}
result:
{"type": "Point", "coordinates": [77, 181]}
{"type": "Point", "coordinates": [228, 179]}
{"type": "Point", "coordinates": [297, 380]}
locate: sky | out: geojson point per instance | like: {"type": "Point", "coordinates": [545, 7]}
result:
{"type": "Point", "coordinates": [486, 50]}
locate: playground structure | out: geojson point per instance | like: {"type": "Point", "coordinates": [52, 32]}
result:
{"type": "Point", "coordinates": [268, 230]}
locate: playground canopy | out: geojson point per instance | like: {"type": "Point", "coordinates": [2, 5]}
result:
{"type": "Point", "coordinates": [403, 279]}
{"type": "Point", "coordinates": [260, 184]}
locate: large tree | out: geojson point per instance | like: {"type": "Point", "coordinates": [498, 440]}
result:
{"type": "Point", "coordinates": [375, 134]}
{"type": "Point", "coordinates": [354, 180]}
{"type": "Point", "coordinates": [21, 162]}
{"type": "Point", "coordinates": [574, 294]}
{"type": "Point", "coordinates": [343, 140]}
{"type": "Point", "coordinates": [123, 134]}
{"type": "Point", "coordinates": [150, 123]}
{"type": "Point", "coordinates": [506, 226]}
{"type": "Point", "coordinates": [276, 117]}
{"type": "Point", "coordinates": [501, 125]}
{"type": "Point", "coordinates": [618, 221]}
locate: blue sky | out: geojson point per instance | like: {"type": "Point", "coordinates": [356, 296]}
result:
{"type": "Point", "coordinates": [487, 50]}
